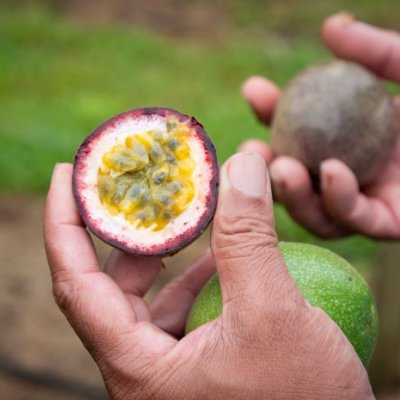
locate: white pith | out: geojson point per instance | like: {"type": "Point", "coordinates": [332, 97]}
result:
{"type": "Point", "coordinates": [117, 226]}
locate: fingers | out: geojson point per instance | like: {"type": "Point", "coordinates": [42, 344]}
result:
{"type": "Point", "coordinates": [292, 185]}
{"type": "Point", "coordinates": [377, 49]}
{"type": "Point", "coordinates": [134, 275]}
{"type": "Point", "coordinates": [260, 147]}
{"type": "Point", "coordinates": [262, 95]}
{"type": "Point", "coordinates": [67, 242]}
{"type": "Point", "coordinates": [244, 241]}
{"type": "Point", "coordinates": [94, 305]}
{"type": "Point", "coordinates": [344, 202]}
{"type": "Point", "coordinates": [171, 306]}
{"type": "Point", "coordinates": [73, 261]}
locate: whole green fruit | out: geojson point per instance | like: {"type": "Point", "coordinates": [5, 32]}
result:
{"type": "Point", "coordinates": [339, 110]}
{"type": "Point", "coordinates": [327, 281]}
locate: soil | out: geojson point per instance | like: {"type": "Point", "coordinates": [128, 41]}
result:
{"type": "Point", "coordinates": [195, 20]}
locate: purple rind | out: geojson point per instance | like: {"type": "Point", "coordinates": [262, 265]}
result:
{"type": "Point", "coordinates": [175, 244]}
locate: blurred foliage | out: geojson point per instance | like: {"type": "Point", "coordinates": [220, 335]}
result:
{"type": "Point", "coordinates": [59, 80]}
{"type": "Point", "coordinates": [294, 17]}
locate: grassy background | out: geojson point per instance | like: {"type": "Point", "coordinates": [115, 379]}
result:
{"type": "Point", "coordinates": [60, 79]}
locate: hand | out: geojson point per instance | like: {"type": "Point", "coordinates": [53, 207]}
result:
{"type": "Point", "coordinates": [340, 208]}
{"type": "Point", "coordinates": [268, 342]}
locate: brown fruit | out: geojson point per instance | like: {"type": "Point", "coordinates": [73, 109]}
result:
{"type": "Point", "coordinates": [146, 181]}
{"type": "Point", "coordinates": [339, 110]}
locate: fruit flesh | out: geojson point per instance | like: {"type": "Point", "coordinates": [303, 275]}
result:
{"type": "Point", "coordinates": [149, 178]}
{"type": "Point", "coordinates": [115, 228]}
{"type": "Point", "coordinates": [327, 281]}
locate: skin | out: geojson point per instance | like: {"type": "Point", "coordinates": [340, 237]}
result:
{"type": "Point", "coordinates": [268, 342]}
{"type": "Point", "coordinates": [341, 208]}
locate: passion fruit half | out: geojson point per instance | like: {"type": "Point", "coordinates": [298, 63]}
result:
{"type": "Point", "coordinates": [146, 181]}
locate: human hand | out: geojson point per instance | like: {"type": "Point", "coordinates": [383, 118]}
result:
{"type": "Point", "coordinates": [268, 342]}
{"type": "Point", "coordinates": [341, 207]}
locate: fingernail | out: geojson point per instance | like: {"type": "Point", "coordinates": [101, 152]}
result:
{"type": "Point", "coordinates": [345, 18]}
{"type": "Point", "coordinates": [248, 174]}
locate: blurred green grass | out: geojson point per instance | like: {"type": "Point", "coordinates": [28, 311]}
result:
{"type": "Point", "coordinates": [59, 81]}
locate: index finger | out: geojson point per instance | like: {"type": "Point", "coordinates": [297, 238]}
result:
{"type": "Point", "coordinates": [68, 245]}
{"type": "Point", "coordinates": [377, 49]}
{"type": "Point", "coordinates": [93, 303]}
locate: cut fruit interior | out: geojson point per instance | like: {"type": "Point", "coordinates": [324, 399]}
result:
{"type": "Point", "coordinates": [146, 181]}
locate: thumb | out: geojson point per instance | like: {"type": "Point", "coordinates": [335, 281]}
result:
{"type": "Point", "coordinates": [244, 243]}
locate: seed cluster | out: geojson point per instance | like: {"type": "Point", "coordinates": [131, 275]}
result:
{"type": "Point", "coordinates": [149, 178]}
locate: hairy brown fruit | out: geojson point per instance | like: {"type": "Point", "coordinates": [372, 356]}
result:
{"type": "Point", "coordinates": [339, 110]}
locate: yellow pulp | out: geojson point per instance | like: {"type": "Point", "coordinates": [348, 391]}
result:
{"type": "Point", "coordinates": [149, 178]}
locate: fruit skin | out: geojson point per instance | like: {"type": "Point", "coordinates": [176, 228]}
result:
{"type": "Point", "coordinates": [340, 110]}
{"type": "Point", "coordinates": [327, 281]}
{"type": "Point", "coordinates": [171, 245]}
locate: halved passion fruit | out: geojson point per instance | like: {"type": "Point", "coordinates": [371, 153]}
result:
{"type": "Point", "coordinates": [146, 181]}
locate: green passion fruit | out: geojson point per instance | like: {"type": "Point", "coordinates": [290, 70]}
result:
{"type": "Point", "coordinates": [146, 181]}
{"type": "Point", "coordinates": [327, 281]}
{"type": "Point", "coordinates": [339, 110]}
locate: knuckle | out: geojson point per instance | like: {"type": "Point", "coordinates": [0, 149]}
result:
{"type": "Point", "coordinates": [64, 290]}
{"type": "Point", "coordinates": [243, 232]}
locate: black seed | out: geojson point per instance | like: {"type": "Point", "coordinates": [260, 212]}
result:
{"type": "Point", "coordinates": [167, 215]}
{"type": "Point", "coordinates": [156, 152]}
{"type": "Point", "coordinates": [171, 125]}
{"type": "Point", "coordinates": [170, 158]}
{"type": "Point", "coordinates": [159, 177]}
{"type": "Point", "coordinates": [146, 214]}
{"type": "Point", "coordinates": [141, 215]}
{"type": "Point", "coordinates": [134, 192]}
{"type": "Point", "coordinates": [124, 163]}
{"type": "Point", "coordinates": [173, 143]}
{"type": "Point", "coordinates": [134, 176]}
{"type": "Point", "coordinates": [141, 153]}
{"type": "Point", "coordinates": [173, 187]}
{"type": "Point", "coordinates": [162, 197]}
{"type": "Point", "coordinates": [122, 187]}
{"type": "Point", "coordinates": [106, 187]}
{"type": "Point", "coordinates": [166, 200]}
{"type": "Point", "coordinates": [146, 197]}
